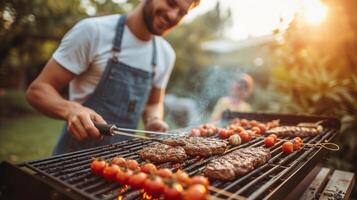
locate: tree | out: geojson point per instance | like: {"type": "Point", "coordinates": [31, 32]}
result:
{"type": "Point", "coordinates": [316, 73]}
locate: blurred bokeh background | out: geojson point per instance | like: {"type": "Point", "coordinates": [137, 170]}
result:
{"type": "Point", "coordinates": [301, 54]}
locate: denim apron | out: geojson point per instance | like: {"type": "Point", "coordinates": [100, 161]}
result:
{"type": "Point", "coordinates": [119, 97]}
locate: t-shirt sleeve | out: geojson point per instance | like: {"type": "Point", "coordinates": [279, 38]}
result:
{"type": "Point", "coordinates": [77, 48]}
{"type": "Point", "coordinates": [162, 77]}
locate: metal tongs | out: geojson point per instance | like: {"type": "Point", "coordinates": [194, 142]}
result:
{"type": "Point", "coordinates": [112, 130]}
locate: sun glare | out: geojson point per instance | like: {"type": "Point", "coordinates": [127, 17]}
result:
{"type": "Point", "coordinates": [314, 11]}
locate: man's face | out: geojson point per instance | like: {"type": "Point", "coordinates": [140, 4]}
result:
{"type": "Point", "coordinates": [162, 15]}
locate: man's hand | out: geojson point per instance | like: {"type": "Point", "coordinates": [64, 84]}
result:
{"type": "Point", "coordinates": [156, 124]}
{"type": "Point", "coordinates": [80, 123]}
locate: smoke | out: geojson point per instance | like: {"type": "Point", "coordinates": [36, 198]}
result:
{"type": "Point", "coordinates": [213, 84]}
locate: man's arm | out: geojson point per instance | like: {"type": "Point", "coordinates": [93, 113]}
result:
{"type": "Point", "coordinates": [44, 96]}
{"type": "Point", "coordinates": [154, 111]}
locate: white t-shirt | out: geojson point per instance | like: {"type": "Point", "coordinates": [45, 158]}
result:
{"type": "Point", "coordinates": [87, 47]}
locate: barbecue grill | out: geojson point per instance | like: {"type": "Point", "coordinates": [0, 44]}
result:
{"type": "Point", "coordinates": [68, 176]}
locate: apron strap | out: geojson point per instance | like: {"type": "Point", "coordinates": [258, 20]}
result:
{"type": "Point", "coordinates": [118, 39]}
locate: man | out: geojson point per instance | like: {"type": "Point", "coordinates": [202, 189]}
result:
{"type": "Point", "coordinates": [117, 69]}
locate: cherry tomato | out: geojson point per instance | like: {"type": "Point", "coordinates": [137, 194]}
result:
{"type": "Point", "coordinates": [269, 141]}
{"type": "Point", "coordinates": [97, 166]}
{"type": "Point", "coordinates": [154, 186]}
{"type": "Point", "coordinates": [288, 147]}
{"type": "Point", "coordinates": [173, 192]}
{"type": "Point", "coordinates": [244, 122]}
{"type": "Point", "coordinates": [297, 142]}
{"type": "Point", "coordinates": [120, 161]}
{"type": "Point", "coordinates": [239, 129]}
{"type": "Point", "coordinates": [122, 176]}
{"type": "Point", "coordinates": [230, 132]}
{"type": "Point", "coordinates": [298, 139]}
{"type": "Point", "coordinates": [210, 131]}
{"type": "Point", "coordinates": [182, 177]}
{"type": "Point", "coordinates": [203, 132]}
{"type": "Point", "coordinates": [195, 192]}
{"type": "Point", "coordinates": [132, 164]}
{"type": "Point", "coordinates": [245, 136]}
{"type": "Point", "coordinates": [256, 130]}
{"type": "Point", "coordinates": [235, 140]}
{"type": "Point", "coordinates": [223, 133]}
{"type": "Point", "coordinates": [110, 171]}
{"type": "Point", "coordinates": [274, 136]}
{"type": "Point", "coordinates": [148, 168]}
{"type": "Point", "coordinates": [262, 128]}
{"type": "Point", "coordinates": [137, 181]}
{"type": "Point", "coordinates": [253, 123]}
{"type": "Point", "coordinates": [200, 180]}
{"type": "Point", "coordinates": [164, 173]}
{"type": "Point", "coordinates": [195, 132]}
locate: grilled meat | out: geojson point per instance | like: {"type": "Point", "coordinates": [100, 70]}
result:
{"type": "Point", "coordinates": [159, 153]}
{"type": "Point", "coordinates": [237, 163]}
{"type": "Point", "coordinates": [199, 146]}
{"type": "Point", "coordinates": [295, 131]}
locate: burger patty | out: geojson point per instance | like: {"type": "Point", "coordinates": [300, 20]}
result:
{"type": "Point", "coordinates": [199, 146]}
{"type": "Point", "coordinates": [160, 153]}
{"type": "Point", "coordinates": [294, 131]}
{"type": "Point", "coordinates": [236, 163]}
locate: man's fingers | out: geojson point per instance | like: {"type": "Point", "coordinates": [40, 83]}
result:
{"type": "Point", "coordinates": [97, 118]}
{"type": "Point", "coordinates": [74, 132]}
{"type": "Point", "coordinates": [89, 127]}
{"type": "Point", "coordinates": [79, 127]}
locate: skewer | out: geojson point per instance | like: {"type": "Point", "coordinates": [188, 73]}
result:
{"type": "Point", "coordinates": [225, 193]}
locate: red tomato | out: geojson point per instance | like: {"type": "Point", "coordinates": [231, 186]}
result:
{"type": "Point", "coordinates": [120, 161]}
{"type": "Point", "coordinates": [269, 141]}
{"type": "Point", "coordinates": [230, 132]}
{"type": "Point", "coordinates": [154, 186]}
{"type": "Point", "coordinates": [110, 171]}
{"type": "Point", "coordinates": [274, 136]}
{"type": "Point", "coordinates": [203, 132]}
{"type": "Point", "coordinates": [173, 192]}
{"type": "Point", "coordinates": [164, 173]}
{"type": "Point", "coordinates": [137, 181]}
{"type": "Point", "coordinates": [244, 122]}
{"type": "Point", "coordinates": [97, 166]}
{"type": "Point", "coordinates": [195, 132]}
{"type": "Point", "coordinates": [288, 147]}
{"type": "Point", "coordinates": [262, 127]}
{"type": "Point", "coordinates": [122, 177]}
{"type": "Point", "coordinates": [182, 177]}
{"type": "Point", "coordinates": [132, 164]}
{"type": "Point", "coordinates": [253, 123]}
{"type": "Point", "coordinates": [195, 192]}
{"type": "Point", "coordinates": [239, 129]}
{"type": "Point", "coordinates": [235, 121]}
{"type": "Point", "coordinates": [297, 142]}
{"type": "Point", "coordinates": [298, 139]}
{"type": "Point", "coordinates": [223, 133]}
{"type": "Point", "coordinates": [148, 168]}
{"type": "Point", "coordinates": [245, 136]}
{"type": "Point", "coordinates": [256, 130]}
{"type": "Point", "coordinates": [199, 180]}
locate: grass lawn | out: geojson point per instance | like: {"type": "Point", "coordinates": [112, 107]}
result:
{"type": "Point", "coordinates": [28, 137]}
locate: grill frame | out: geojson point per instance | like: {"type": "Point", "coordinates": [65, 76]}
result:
{"type": "Point", "coordinates": [294, 174]}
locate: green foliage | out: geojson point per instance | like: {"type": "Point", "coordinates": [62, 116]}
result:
{"type": "Point", "coordinates": [316, 73]}
{"type": "Point", "coordinates": [13, 103]}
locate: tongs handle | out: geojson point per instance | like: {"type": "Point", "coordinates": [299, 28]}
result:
{"type": "Point", "coordinates": [105, 129]}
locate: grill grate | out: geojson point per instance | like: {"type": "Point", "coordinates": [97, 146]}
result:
{"type": "Point", "coordinates": [268, 181]}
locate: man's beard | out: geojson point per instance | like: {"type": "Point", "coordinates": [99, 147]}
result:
{"type": "Point", "coordinates": [149, 18]}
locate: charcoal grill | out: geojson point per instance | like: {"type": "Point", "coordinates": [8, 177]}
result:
{"type": "Point", "coordinates": [68, 176]}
